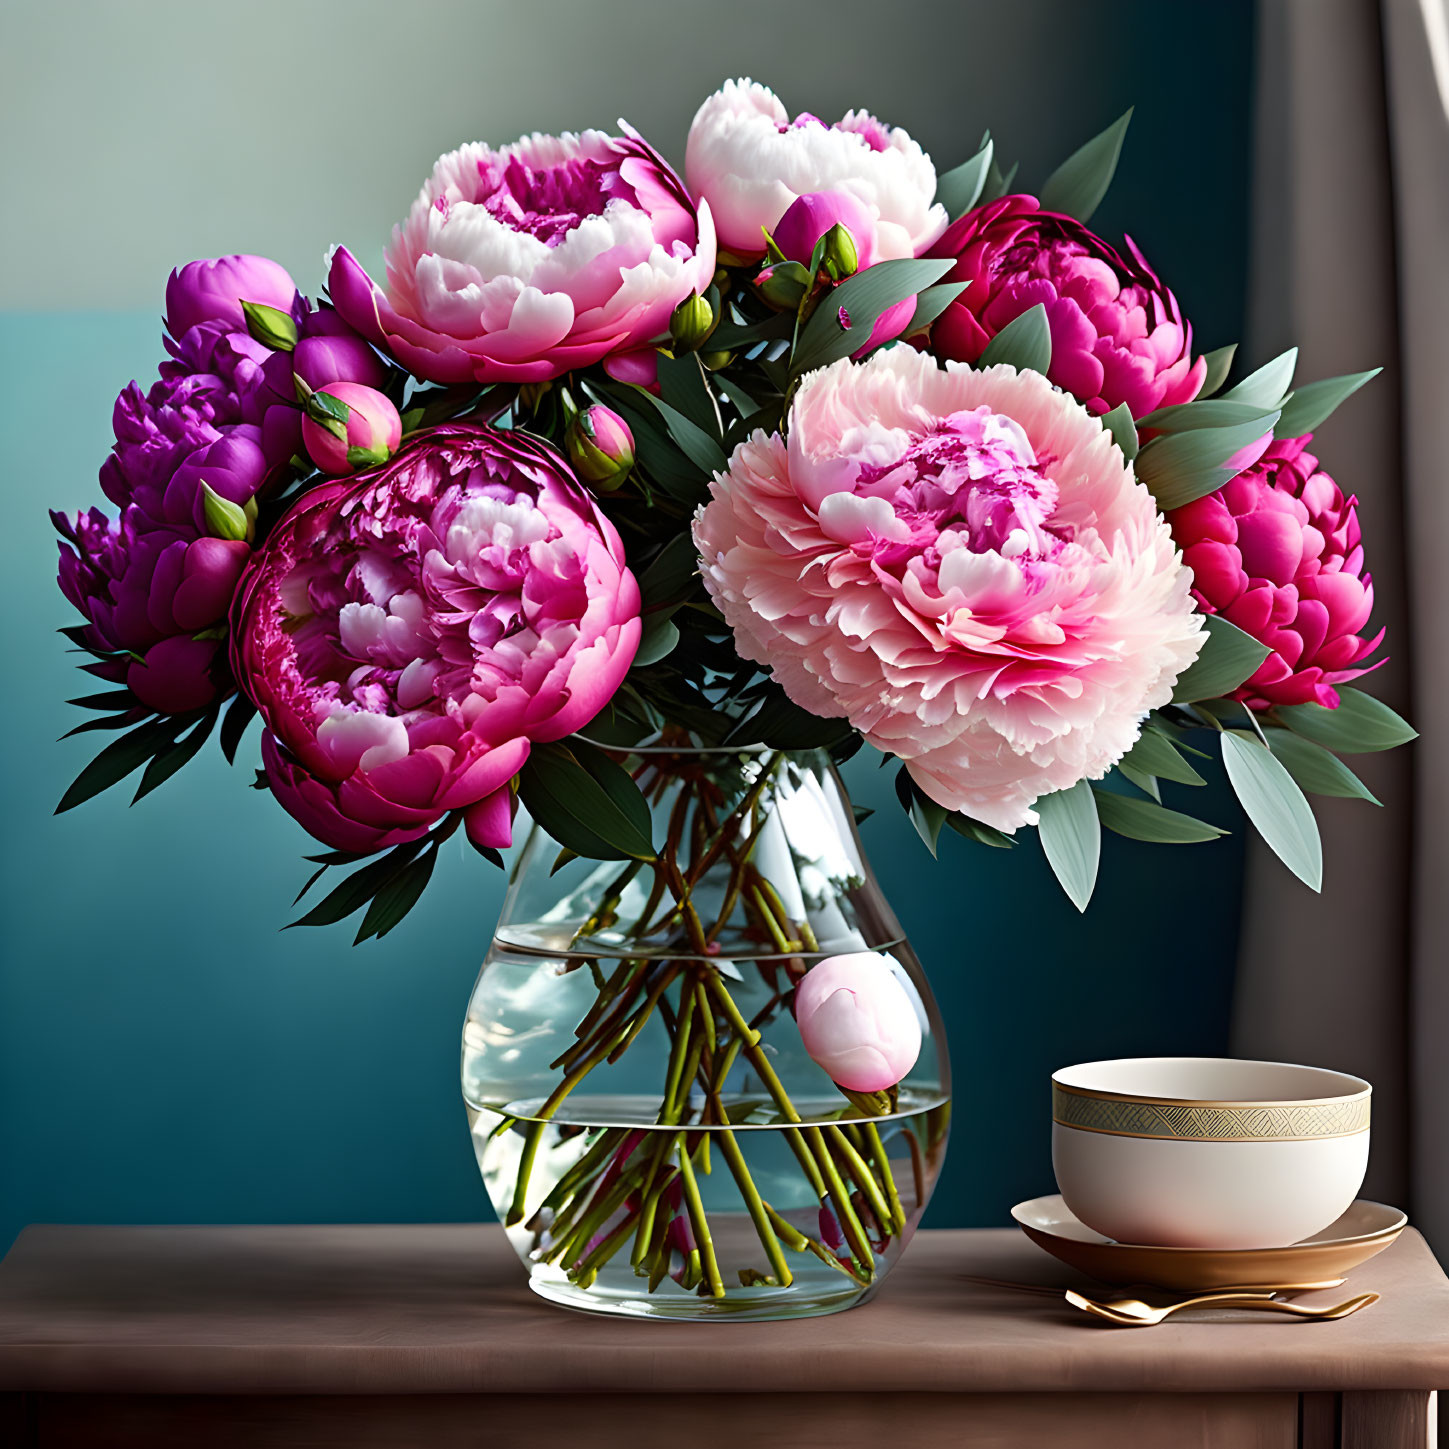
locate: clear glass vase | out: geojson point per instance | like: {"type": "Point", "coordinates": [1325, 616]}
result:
{"type": "Point", "coordinates": [651, 1131]}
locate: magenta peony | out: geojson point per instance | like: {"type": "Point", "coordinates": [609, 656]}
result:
{"type": "Point", "coordinates": [962, 565]}
{"type": "Point", "coordinates": [408, 634]}
{"type": "Point", "coordinates": [749, 161]}
{"type": "Point", "coordinates": [1276, 551]}
{"type": "Point", "coordinates": [857, 1021]}
{"type": "Point", "coordinates": [517, 265]}
{"type": "Point", "coordinates": [1118, 335]}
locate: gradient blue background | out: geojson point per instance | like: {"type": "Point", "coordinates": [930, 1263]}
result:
{"type": "Point", "coordinates": [168, 1055]}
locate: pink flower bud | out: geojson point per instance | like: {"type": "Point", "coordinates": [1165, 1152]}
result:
{"type": "Point", "coordinates": [601, 447]}
{"type": "Point", "coordinates": [815, 215]}
{"type": "Point", "coordinates": [349, 427]}
{"type": "Point", "coordinates": [857, 1022]}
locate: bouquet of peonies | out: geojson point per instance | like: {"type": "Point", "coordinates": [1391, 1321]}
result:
{"type": "Point", "coordinates": [812, 448]}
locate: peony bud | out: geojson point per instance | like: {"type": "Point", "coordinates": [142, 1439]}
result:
{"type": "Point", "coordinates": [839, 258]}
{"type": "Point", "coordinates": [692, 322]}
{"type": "Point", "coordinates": [783, 286]}
{"type": "Point", "coordinates": [270, 326]}
{"type": "Point", "coordinates": [846, 223]}
{"type": "Point", "coordinates": [857, 1022]}
{"type": "Point", "coordinates": [225, 519]}
{"type": "Point", "coordinates": [349, 426]}
{"type": "Point", "coordinates": [601, 447]}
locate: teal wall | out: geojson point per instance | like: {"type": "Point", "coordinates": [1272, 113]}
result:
{"type": "Point", "coordinates": [168, 1055]}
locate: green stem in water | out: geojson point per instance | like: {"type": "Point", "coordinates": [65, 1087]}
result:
{"type": "Point", "coordinates": [525, 1170]}
{"type": "Point", "coordinates": [849, 1222]}
{"type": "Point", "coordinates": [863, 1177]}
{"type": "Point", "coordinates": [799, 1242]}
{"type": "Point", "coordinates": [700, 1224]}
{"type": "Point", "coordinates": [882, 1162]}
{"type": "Point", "coordinates": [761, 1219]}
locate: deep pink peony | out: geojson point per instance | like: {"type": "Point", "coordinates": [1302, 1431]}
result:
{"type": "Point", "coordinates": [749, 161]}
{"type": "Point", "coordinates": [857, 1021]}
{"type": "Point", "coordinates": [1118, 334]}
{"type": "Point", "coordinates": [1276, 551]}
{"type": "Point", "coordinates": [961, 564]}
{"type": "Point", "coordinates": [517, 265]}
{"type": "Point", "coordinates": [407, 635]}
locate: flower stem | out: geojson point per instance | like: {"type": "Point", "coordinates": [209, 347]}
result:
{"type": "Point", "coordinates": [863, 1177]}
{"type": "Point", "coordinates": [700, 1224]}
{"type": "Point", "coordinates": [761, 1219]}
{"type": "Point", "coordinates": [525, 1170]}
{"type": "Point", "coordinates": [882, 1162]}
{"type": "Point", "coordinates": [844, 1209]}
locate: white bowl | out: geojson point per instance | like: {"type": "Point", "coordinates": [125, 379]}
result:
{"type": "Point", "coordinates": [1207, 1152]}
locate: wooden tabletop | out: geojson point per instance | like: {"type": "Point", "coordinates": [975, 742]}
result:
{"type": "Point", "coordinates": [446, 1310]}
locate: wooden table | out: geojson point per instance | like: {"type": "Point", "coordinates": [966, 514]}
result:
{"type": "Point", "coordinates": [407, 1336]}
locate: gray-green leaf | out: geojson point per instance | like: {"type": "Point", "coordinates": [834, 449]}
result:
{"type": "Point", "coordinates": [1308, 407]}
{"type": "Point", "coordinates": [959, 189]}
{"type": "Point", "coordinates": [1025, 342]}
{"type": "Point", "coordinates": [1228, 658]}
{"type": "Point", "coordinates": [1276, 806]}
{"type": "Point", "coordinates": [1269, 385]}
{"type": "Point", "coordinates": [1360, 725]}
{"type": "Point", "coordinates": [1142, 820]}
{"type": "Point", "coordinates": [1317, 770]}
{"type": "Point", "coordinates": [1072, 839]}
{"type": "Point", "coordinates": [1078, 185]}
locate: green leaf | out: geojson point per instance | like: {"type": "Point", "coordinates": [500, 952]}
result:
{"type": "Point", "coordinates": [270, 326]}
{"type": "Point", "coordinates": [1269, 385]}
{"type": "Point", "coordinates": [122, 721]}
{"type": "Point", "coordinates": [1078, 185]}
{"type": "Point", "coordinates": [1124, 433]}
{"type": "Point", "coordinates": [1144, 782]}
{"type": "Point", "coordinates": [782, 724]}
{"type": "Point", "coordinates": [1219, 364]}
{"type": "Point", "coordinates": [1072, 839]}
{"type": "Point", "coordinates": [1142, 820]}
{"type": "Point", "coordinates": [863, 298]}
{"type": "Point", "coordinates": [657, 641]}
{"type": "Point", "coordinates": [1360, 725]}
{"type": "Point", "coordinates": [1317, 770]}
{"type": "Point", "coordinates": [960, 188]}
{"type": "Point", "coordinates": [110, 699]}
{"type": "Point", "coordinates": [683, 386]}
{"type": "Point", "coordinates": [1276, 806]}
{"type": "Point", "coordinates": [171, 758]}
{"type": "Point", "coordinates": [670, 576]}
{"type": "Point", "coordinates": [1227, 658]}
{"type": "Point", "coordinates": [697, 445]}
{"type": "Point", "coordinates": [397, 897]}
{"type": "Point", "coordinates": [118, 759]}
{"type": "Point", "coordinates": [1308, 407]}
{"type": "Point", "coordinates": [586, 802]}
{"type": "Point", "coordinates": [971, 829]}
{"type": "Point", "coordinates": [925, 814]}
{"type": "Point", "coordinates": [1180, 467]}
{"type": "Point", "coordinates": [1025, 342]}
{"type": "Point", "coordinates": [931, 303]}
{"type": "Point", "coordinates": [1154, 754]}
{"type": "Point", "coordinates": [362, 885]}
{"type": "Point", "coordinates": [1209, 413]}
{"type": "Point", "coordinates": [730, 335]}
{"type": "Point", "coordinates": [239, 715]}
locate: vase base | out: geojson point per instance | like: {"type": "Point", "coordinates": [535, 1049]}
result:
{"type": "Point", "coordinates": [756, 1308]}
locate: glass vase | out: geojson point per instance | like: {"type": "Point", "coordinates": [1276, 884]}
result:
{"type": "Point", "coordinates": [651, 1130]}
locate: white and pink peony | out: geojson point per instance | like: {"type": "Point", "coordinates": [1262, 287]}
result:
{"type": "Point", "coordinates": [750, 161]}
{"type": "Point", "coordinates": [962, 565]}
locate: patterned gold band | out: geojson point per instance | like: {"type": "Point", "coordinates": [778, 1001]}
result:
{"type": "Point", "coordinates": [1218, 1122]}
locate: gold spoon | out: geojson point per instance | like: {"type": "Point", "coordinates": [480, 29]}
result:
{"type": "Point", "coordinates": [1133, 1313]}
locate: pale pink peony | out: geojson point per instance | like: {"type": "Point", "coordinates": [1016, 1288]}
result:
{"type": "Point", "coordinates": [749, 161]}
{"type": "Point", "coordinates": [962, 565]}
{"type": "Point", "coordinates": [407, 635]}
{"type": "Point", "coordinates": [857, 1021]}
{"type": "Point", "coordinates": [519, 264]}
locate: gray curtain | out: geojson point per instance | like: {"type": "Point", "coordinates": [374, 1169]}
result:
{"type": "Point", "coordinates": [1351, 261]}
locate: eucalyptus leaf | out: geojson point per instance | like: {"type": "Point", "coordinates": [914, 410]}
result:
{"type": "Point", "coordinates": [959, 189]}
{"type": "Point", "coordinates": [1308, 407]}
{"type": "Point", "coordinates": [1273, 802]}
{"type": "Point", "coordinates": [1071, 836]}
{"type": "Point", "coordinates": [1360, 725]}
{"type": "Point", "coordinates": [1208, 413]}
{"type": "Point", "coordinates": [1078, 185]}
{"type": "Point", "coordinates": [1124, 432]}
{"type": "Point", "coordinates": [1024, 343]}
{"type": "Point", "coordinates": [1142, 820]}
{"type": "Point", "coordinates": [1219, 364]}
{"type": "Point", "coordinates": [1181, 467]}
{"type": "Point", "coordinates": [1228, 657]}
{"type": "Point", "coordinates": [658, 639]}
{"type": "Point", "coordinates": [931, 303]}
{"type": "Point", "coordinates": [1318, 771]}
{"type": "Point", "coordinates": [1144, 782]}
{"type": "Point", "coordinates": [862, 298]}
{"type": "Point", "coordinates": [1156, 755]}
{"type": "Point", "coordinates": [1268, 386]}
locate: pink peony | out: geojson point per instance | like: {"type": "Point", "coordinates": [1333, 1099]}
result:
{"type": "Point", "coordinates": [407, 635]}
{"type": "Point", "coordinates": [750, 161]}
{"type": "Point", "coordinates": [961, 564]}
{"type": "Point", "coordinates": [857, 1021]}
{"type": "Point", "coordinates": [1118, 334]}
{"type": "Point", "coordinates": [370, 434]}
{"type": "Point", "coordinates": [517, 265]}
{"type": "Point", "coordinates": [1276, 551]}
